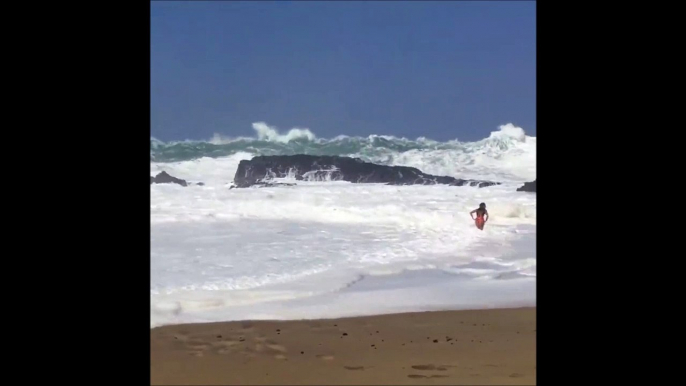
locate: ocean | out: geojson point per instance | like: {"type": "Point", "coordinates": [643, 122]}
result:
{"type": "Point", "coordinates": [325, 249]}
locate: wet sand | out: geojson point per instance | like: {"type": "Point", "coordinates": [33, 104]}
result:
{"type": "Point", "coordinates": [479, 347]}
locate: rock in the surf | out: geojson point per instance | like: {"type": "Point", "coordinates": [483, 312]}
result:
{"type": "Point", "coordinates": [165, 178]}
{"type": "Point", "coordinates": [528, 187]}
{"type": "Point", "coordinates": [263, 169]}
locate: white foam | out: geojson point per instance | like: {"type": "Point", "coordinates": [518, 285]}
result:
{"type": "Point", "coordinates": [220, 253]}
{"type": "Point", "coordinates": [506, 155]}
{"type": "Point", "coordinates": [215, 172]}
{"type": "Point", "coordinates": [332, 248]}
{"type": "Point", "coordinates": [268, 133]}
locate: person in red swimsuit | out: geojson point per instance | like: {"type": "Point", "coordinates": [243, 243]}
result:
{"type": "Point", "coordinates": [481, 216]}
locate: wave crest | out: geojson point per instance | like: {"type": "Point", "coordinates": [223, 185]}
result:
{"type": "Point", "coordinates": [506, 153]}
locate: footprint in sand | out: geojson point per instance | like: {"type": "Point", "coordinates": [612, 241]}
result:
{"type": "Point", "coordinates": [225, 345]}
{"type": "Point", "coordinates": [277, 347]}
{"type": "Point", "coordinates": [180, 337]}
{"type": "Point", "coordinates": [182, 333]}
{"type": "Point", "coordinates": [357, 367]}
{"type": "Point", "coordinates": [326, 357]}
{"type": "Point", "coordinates": [280, 357]}
{"type": "Point", "coordinates": [193, 343]}
{"type": "Point", "coordinates": [430, 367]}
{"type": "Point", "coordinates": [198, 347]}
{"type": "Point", "coordinates": [426, 376]}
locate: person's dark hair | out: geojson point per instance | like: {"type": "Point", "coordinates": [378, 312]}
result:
{"type": "Point", "coordinates": [482, 205]}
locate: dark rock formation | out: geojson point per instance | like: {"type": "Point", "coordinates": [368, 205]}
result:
{"type": "Point", "coordinates": [262, 169]}
{"type": "Point", "coordinates": [528, 187]}
{"type": "Point", "coordinates": [164, 178]}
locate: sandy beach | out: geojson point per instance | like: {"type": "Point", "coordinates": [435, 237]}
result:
{"type": "Point", "coordinates": [476, 347]}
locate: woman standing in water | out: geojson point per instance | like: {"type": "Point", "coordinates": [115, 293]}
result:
{"type": "Point", "coordinates": [481, 216]}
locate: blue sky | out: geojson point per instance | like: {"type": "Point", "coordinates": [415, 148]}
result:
{"type": "Point", "coordinates": [441, 70]}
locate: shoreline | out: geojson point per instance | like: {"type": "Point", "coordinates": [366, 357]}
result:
{"type": "Point", "coordinates": [480, 346]}
{"type": "Point", "coordinates": [394, 291]}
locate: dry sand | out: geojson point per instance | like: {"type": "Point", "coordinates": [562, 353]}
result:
{"type": "Point", "coordinates": [480, 347]}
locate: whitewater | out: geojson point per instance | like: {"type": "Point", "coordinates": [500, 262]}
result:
{"type": "Point", "coordinates": [333, 249]}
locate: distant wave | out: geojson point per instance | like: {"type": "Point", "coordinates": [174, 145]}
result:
{"type": "Point", "coordinates": [507, 150]}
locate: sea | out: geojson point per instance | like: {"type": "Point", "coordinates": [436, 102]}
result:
{"type": "Point", "coordinates": [329, 249]}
